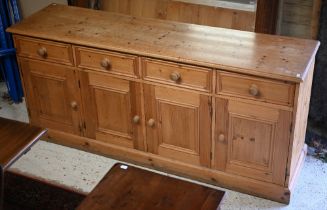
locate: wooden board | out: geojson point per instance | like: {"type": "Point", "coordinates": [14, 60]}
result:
{"type": "Point", "coordinates": [129, 188]}
{"type": "Point", "coordinates": [13, 144]}
{"type": "Point", "coordinates": [300, 118]}
{"type": "Point", "coordinates": [211, 13]}
{"type": "Point", "coordinates": [266, 16]}
{"type": "Point", "coordinates": [258, 54]}
{"type": "Point", "coordinates": [300, 18]}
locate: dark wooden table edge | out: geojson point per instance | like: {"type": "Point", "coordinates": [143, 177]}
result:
{"type": "Point", "coordinates": [25, 150]}
{"type": "Point", "coordinates": [15, 158]}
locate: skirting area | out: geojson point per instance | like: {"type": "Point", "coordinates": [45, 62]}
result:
{"type": "Point", "coordinates": [82, 171]}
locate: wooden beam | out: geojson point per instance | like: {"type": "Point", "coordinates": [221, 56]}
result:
{"type": "Point", "coordinates": [316, 10]}
{"type": "Point", "coordinates": [79, 3]}
{"type": "Point", "coordinates": [266, 17]}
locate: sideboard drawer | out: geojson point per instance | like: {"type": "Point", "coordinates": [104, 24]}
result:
{"type": "Point", "coordinates": [105, 61]}
{"type": "Point", "coordinates": [44, 50]}
{"type": "Point", "coordinates": [266, 90]}
{"type": "Point", "coordinates": [177, 74]}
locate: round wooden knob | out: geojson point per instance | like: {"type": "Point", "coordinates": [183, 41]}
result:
{"type": "Point", "coordinates": [254, 90]}
{"type": "Point", "coordinates": [105, 63]}
{"type": "Point", "coordinates": [136, 119]}
{"type": "Point", "coordinates": [74, 105]}
{"type": "Point", "coordinates": [42, 52]}
{"type": "Point", "coordinates": [175, 76]}
{"type": "Point", "coordinates": [221, 138]}
{"type": "Point", "coordinates": [151, 123]}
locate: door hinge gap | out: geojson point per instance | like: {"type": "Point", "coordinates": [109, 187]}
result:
{"type": "Point", "coordinates": [210, 108]}
{"type": "Point", "coordinates": [291, 127]}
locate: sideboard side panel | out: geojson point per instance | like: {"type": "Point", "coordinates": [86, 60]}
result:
{"type": "Point", "coordinates": [300, 115]}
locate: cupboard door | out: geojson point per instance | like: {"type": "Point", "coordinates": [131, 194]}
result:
{"type": "Point", "coordinates": [252, 140]}
{"type": "Point", "coordinates": [178, 124]}
{"type": "Point", "coordinates": [112, 109]}
{"type": "Point", "coordinates": [52, 94]}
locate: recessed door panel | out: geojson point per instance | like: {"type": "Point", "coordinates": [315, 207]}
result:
{"type": "Point", "coordinates": [53, 95]}
{"type": "Point", "coordinates": [251, 140]}
{"type": "Point", "coordinates": [175, 119]}
{"type": "Point", "coordinates": [49, 89]}
{"type": "Point", "coordinates": [112, 109]}
{"type": "Point", "coordinates": [181, 128]}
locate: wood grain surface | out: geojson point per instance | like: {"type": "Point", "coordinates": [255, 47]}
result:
{"type": "Point", "coordinates": [15, 139]}
{"type": "Point", "coordinates": [129, 188]}
{"type": "Point", "coordinates": [223, 14]}
{"type": "Point", "coordinates": [246, 52]}
{"type": "Point", "coordinates": [166, 95]}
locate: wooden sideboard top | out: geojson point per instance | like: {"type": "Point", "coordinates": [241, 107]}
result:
{"type": "Point", "coordinates": [264, 55]}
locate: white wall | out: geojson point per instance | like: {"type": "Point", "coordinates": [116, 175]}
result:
{"type": "Point", "coordinates": [29, 7]}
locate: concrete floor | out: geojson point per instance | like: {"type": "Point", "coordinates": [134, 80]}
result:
{"type": "Point", "coordinates": [82, 171]}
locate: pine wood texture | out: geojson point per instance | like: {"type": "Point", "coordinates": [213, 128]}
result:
{"type": "Point", "coordinates": [110, 104]}
{"type": "Point", "coordinates": [148, 190]}
{"type": "Point", "coordinates": [259, 16]}
{"type": "Point", "coordinates": [189, 76]}
{"type": "Point", "coordinates": [120, 64]}
{"type": "Point", "coordinates": [267, 90]}
{"type": "Point", "coordinates": [242, 52]}
{"type": "Point", "coordinates": [209, 175]}
{"type": "Point", "coordinates": [182, 124]}
{"type": "Point", "coordinates": [53, 95]}
{"type": "Point", "coordinates": [213, 104]}
{"type": "Point", "coordinates": [53, 51]}
{"type": "Point", "coordinates": [208, 13]}
{"type": "Point", "coordinates": [300, 115]}
{"type": "Point", "coordinates": [252, 140]}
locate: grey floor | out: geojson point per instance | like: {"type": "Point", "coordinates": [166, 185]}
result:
{"type": "Point", "coordinates": [82, 171]}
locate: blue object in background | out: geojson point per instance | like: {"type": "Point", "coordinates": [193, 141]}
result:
{"type": "Point", "coordinates": [9, 14]}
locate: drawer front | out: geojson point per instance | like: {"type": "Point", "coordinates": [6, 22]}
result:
{"type": "Point", "coordinates": [104, 61]}
{"type": "Point", "coordinates": [177, 74]}
{"type": "Point", "coordinates": [44, 50]}
{"type": "Point", "coordinates": [255, 88]}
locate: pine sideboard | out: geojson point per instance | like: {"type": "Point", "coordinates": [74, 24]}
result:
{"type": "Point", "coordinates": [222, 106]}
